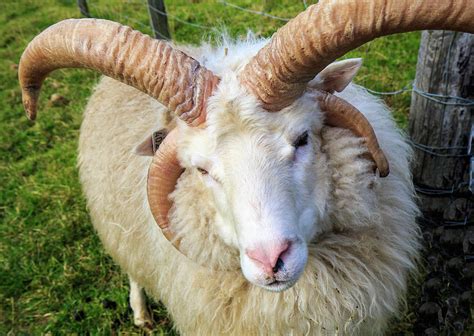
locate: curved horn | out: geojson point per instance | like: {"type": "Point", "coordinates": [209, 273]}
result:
{"type": "Point", "coordinates": [152, 66]}
{"type": "Point", "coordinates": [340, 113]}
{"type": "Point", "coordinates": [163, 174]}
{"type": "Point", "coordinates": [298, 51]}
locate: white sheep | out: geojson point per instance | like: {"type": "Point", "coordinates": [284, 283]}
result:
{"type": "Point", "coordinates": [281, 225]}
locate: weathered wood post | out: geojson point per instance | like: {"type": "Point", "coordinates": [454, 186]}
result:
{"type": "Point", "coordinates": [445, 67]}
{"type": "Point", "coordinates": [159, 19]}
{"type": "Point", "coordinates": [440, 128]}
{"type": "Point", "coordinates": [83, 8]}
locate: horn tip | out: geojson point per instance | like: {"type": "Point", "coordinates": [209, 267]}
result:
{"type": "Point", "coordinates": [30, 102]}
{"type": "Point", "coordinates": [30, 109]}
{"type": "Point", "coordinates": [381, 163]}
{"type": "Point", "coordinates": [383, 168]}
{"type": "Point", "coordinates": [31, 115]}
{"type": "Point", "coordinates": [384, 172]}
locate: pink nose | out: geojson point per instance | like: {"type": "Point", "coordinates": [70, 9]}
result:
{"type": "Point", "coordinates": [270, 256]}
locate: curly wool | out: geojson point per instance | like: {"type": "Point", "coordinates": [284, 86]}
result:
{"type": "Point", "coordinates": [358, 265]}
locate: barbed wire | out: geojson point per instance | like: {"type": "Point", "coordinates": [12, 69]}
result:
{"type": "Point", "coordinates": [406, 88]}
{"type": "Point", "coordinates": [441, 147]}
{"type": "Point", "coordinates": [147, 27]}
{"type": "Point", "coordinates": [456, 190]}
{"type": "Point", "coordinates": [447, 223]}
{"type": "Point", "coordinates": [196, 25]}
{"type": "Point", "coordinates": [126, 17]}
{"type": "Point", "coordinates": [254, 11]}
{"type": "Point", "coordinates": [431, 150]}
{"type": "Point", "coordinates": [438, 98]}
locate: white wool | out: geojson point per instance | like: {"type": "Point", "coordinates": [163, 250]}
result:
{"type": "Point", "coordinates": [366, 241]}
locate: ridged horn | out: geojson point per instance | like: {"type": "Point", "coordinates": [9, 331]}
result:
{"type": "Point", "coordinates": [339, 113]}
{"type": "Point", "coordinates": [163, 174]}
{"type": "Point", "coordinates": [152, 66]}
{"type": "Point", "coordinates": [278, 74]}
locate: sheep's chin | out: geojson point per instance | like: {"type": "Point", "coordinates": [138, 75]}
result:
{"type": "Point", "coordinates": [279, 286]}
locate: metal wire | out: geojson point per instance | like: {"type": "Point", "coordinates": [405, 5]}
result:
{"type": "Point", "coordinates": [438, 98]}
{"type": "Point", "coordinates": [254, 11]}
{"type": "Point", "coordinates": [196, 25]}
{"type": "Point", "coordinates": [447, 223]}
{"type": "Point", "coordinates": [406, 88]}
{"type": "Point", "coordinates": [436, 192]}
{"type": "Point", "coordinates": [431, 150]}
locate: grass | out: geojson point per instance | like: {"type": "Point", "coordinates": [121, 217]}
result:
{"type": "Point", "coordinates": [54, 275]}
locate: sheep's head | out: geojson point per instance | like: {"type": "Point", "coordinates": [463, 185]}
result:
{"type": "Point", "coordinates": [253, 128]}
{"type": "Point", "coordinates": [264, 171]}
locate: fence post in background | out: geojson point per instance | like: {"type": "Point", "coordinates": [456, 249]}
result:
{"type": "Point", "coordinates": [83, 8]}
{"type": "Point", "coordinates": [440, 130]}
{"type": "Point", "coordinates": [446, 67]}
{"type": "Point", "coordinates": [158, 19]}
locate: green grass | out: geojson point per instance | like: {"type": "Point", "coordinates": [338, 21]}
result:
{"type": "Point", "coordinates": [54, 274]}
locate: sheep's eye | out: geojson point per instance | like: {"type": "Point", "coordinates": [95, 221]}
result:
{"type": "Point", "coordinates": [202, 171]}
{"type": "Point", "coordinates": [301, 140]}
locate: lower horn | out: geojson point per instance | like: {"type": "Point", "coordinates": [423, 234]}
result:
{"type": "Point", "coordinates": [163, 174]}
{"type": "Point", "coordinates": [339, 113]}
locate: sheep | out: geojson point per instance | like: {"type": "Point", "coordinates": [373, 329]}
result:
{"type": "Point", "coordinates": [268, 223]}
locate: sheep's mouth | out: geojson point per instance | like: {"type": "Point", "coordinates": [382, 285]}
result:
{"type": "Point", "coordinates": [279, 286]}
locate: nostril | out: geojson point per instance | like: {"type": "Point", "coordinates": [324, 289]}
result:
{"type": "Point", "coordinates": [278, 266]}
{"type": "Point", "coordinates": [270, 255]}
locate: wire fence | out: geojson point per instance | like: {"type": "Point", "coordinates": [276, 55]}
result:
{"type": "Point", "coordinates": [256, 12]}
{"type": "Point", "coordinates": [175, 18]}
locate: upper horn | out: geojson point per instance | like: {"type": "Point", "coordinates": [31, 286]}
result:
{"type": "Point", "coordinates": [280, 71]}
{"type": "Point", "coordinates": [152, 66]}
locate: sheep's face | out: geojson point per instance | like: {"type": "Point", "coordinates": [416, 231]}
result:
{"type": "Point", "coordinates": [267, 173]}
{"type": "Point", "coordinates": [262, 169]}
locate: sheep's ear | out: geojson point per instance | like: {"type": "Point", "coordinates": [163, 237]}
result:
{"type": "Point", "coordinates": [336, 76]}
{"type": "Point", "coordinates": [145, 148]}
{"type": "Point", "coordinates": [150, 145]}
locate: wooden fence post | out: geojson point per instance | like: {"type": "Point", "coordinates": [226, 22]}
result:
{"type": "Point", "coordinates": [440, 128]}
{"type": "Point", "coordinates": [446, 67]}
{"type": "Point", "coordinates": [83, 8]}
{"type": "Point", "coordinates": [159, 19]}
